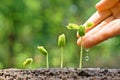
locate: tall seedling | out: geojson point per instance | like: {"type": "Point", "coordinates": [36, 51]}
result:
{"type": "Point", "coordinates": [81, 31]}
{"type": "Point", "coordinates": [61, 44]}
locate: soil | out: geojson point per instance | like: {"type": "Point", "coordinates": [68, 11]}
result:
{"type": "Point", "coordinates": [60, 74]}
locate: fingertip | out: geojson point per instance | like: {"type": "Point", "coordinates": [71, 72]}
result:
{"type": "Point", "coordinates": [105, 4]}
{"type": "Point", "coordinates": [83, 44]}
{"type": "Point", "coordinates": [100, 5]}
{"type": "Point", "coordinates": [97, 5]}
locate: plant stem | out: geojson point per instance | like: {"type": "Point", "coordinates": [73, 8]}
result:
{"type": "Point", "coordinates": [47, 63]}
{"type": "Point", "coordinates": [30, 65]}
{"type": "Point", "coordinates": [61, 57]}
{"type": "Point", "coordinates": [81, 53]}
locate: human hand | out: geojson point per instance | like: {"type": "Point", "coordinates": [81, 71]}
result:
{"type": "Point", "coordinates": [106, 23]}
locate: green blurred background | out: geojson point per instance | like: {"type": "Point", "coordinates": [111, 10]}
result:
{"type": "Point", "coordinates": [25, 24]}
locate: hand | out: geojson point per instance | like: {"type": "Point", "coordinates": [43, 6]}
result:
{"type": "Point", "coordinates": [106, 23]}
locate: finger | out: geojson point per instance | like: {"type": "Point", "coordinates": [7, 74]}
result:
{"type": "Point", "coordinates": [96, 29]}
{"type": "Point", "coordinates": [105, 4]}
{"type": "Point", "coordinates": [97, 17]}
{"type": "Point", "coordinates": [99, 27]}
{"type": "Point", "coordinates": [116, 10]}
{"type": "Point", "coordinates": [110, 30]}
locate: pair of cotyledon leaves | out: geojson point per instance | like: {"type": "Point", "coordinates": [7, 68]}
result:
{"type": "Point", "coordinates": [80, 28]}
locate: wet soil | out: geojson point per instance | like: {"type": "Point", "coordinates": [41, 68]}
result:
{"type": "Point", "coordinates": [60, 74]}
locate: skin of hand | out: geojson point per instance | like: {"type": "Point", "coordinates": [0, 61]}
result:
{"type": "Point", "coordinates": [106, 23]}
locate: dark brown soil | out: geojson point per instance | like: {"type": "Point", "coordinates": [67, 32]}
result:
{"type": "Point", "coordinates": [60, 74]}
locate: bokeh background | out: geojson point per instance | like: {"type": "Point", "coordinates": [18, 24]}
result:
{"type": "Point", "coordinates": [25, 24]}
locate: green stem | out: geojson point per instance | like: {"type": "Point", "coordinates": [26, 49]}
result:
{"type": "Point", "coordinates": [61, 57]}
{"type": "Point", "coordinates": [30, 65]}
{"type": "Point", "coordinates": [81, 53]}
{"type": "Point", "coordinates": [47, 63]}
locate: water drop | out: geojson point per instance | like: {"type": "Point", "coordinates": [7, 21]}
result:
{"type": "Point", "coordinates": [86, 58]}
{"type": "Point", "coordinates": [87, 50]}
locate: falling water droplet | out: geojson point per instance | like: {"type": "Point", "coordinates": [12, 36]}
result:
{"type": "Point", "coordinates": [86, 58]}
{"type": "Point", "coordinates": [87, 50]}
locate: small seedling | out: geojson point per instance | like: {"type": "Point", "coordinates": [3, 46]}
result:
{"type": "Point", "coordinates": [28, 61]}
{"type": "Point", "coordinates": [61, 44]}
{"type": "Point", "coordinates": [44, 52]}
{"type": "Point", "coordinates": [81, 31]}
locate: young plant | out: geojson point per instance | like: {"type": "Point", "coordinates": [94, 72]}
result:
{"type": "Point", "coordinates": [81, 31]}
{"type": "Point", "coordinates": [61, 44]}
{"type": "Point", "coordinates": [44, 52]}
{"type": "Point", "coordinates": [28, 61]}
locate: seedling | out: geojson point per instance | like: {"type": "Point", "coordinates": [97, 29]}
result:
{"type": "Point", "coordinates": [61, 44]}
{"type": "Point", "coordinates": [28, 61]}
{"type": "Point", "coordinates": [81, 31]}
{"type": "Point", "coordinates": [44, 52]}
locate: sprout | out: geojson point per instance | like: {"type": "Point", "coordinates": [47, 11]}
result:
{"type": "Point", "coordinates": [81, 30]}
{"type": "Point", "coordinates": [61, 40]}
{"type": "Point", "coordinates": [89, 25]}
{"type": "Point", "coordinates": [72, 26]}
{"type": "Point", "coordinates": [44, 52]}
{"type": "Point", "coordinates": [61, 44]}
{"type": "Point", "coordinates": [28, 61]}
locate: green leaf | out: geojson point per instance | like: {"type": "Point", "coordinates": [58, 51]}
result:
{"type": "Point", "coordinates": [81, 30]}
{"type": "Point", "coordinates": [61, 40]}
{"type": "Point", "coordinates": [42, 50]}
{"type": "Point", "coordinates": [89, 24]}
{"type": "Point", "coordinates": [72, 26]}
{"type": "Point", "coordinates": [27, 61]}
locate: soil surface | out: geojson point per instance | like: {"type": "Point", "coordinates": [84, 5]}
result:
{"type": "Point", "coordinates": [60, 74]}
